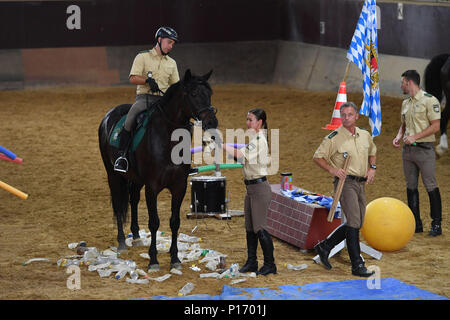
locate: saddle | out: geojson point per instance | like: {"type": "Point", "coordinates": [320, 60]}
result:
{"type": "Point", "coordinates": [142, 120]}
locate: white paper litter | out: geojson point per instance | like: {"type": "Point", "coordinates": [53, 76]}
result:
{"type": "Point", "coordinates": [176, 271]}
{"type": "Point", "coordinates": [35, 260]}
{"type": "Point", "coordinates": [162, 278]}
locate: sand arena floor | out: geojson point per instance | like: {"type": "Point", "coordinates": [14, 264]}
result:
{"type": "Point", "coordinates": [55, 132]}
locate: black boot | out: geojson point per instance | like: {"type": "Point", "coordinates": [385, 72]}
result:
{"type": "Point", "coordinates": [354, 251]}
{"type": "Point", "coordinates": [121, 163]}
{"type": "Point", "coordinates": [324, 248]}
{"type": "Point", "coordinates": [435, 212]}
{"type": "Point", "coordinates": [413, 204]}
{"type": "Point", "coordinates": [267, 247]}
{"type": "Point", "coordinates": [252, 244]}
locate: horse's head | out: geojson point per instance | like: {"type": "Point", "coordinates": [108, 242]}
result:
{"type": "Point", "coordinates": [198, 93]}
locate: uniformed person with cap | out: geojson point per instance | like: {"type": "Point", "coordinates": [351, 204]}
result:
{"type": "Point", "coordinates": [420, 120]}
{"type": "Point", "coordinates": [330, 156]}
{"type": "Point", "coordinates": [153, 72]}
{"type": "Point", "coordinates": [256, 158]}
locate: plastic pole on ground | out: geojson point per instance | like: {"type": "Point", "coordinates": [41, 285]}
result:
{"type": "Point", "coordinates": [16, 160]}
{"type": "Point", "coordinates": [7, 152]}
{"type": "Point", "coordinates": [13, 190]}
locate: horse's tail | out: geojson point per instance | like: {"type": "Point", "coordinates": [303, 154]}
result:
{"type": "Point", "coordinates": [119, 188]}
{"type": "Point", "coordinates": [118, 185]}
{"type": "Point", "coordinates": [432, 76]}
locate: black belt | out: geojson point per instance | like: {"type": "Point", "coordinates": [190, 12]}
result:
{"type": "Point", "coordinates": [424, 145]}
{"type": "Point", "coordinates": [357, 179]}
{"type": "Point", "coordinates": [254, 181]}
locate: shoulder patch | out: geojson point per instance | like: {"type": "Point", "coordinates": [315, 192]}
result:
{"type": "Point", "coordinates": [436, 108]}
{"type": "Point", "coordinates": [331, 135]}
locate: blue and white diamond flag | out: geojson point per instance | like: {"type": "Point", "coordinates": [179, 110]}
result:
{"type": "Point", "coordinates": [363, 52]}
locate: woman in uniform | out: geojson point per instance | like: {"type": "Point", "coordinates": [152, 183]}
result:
{"type": "Point", "coordinates": [255, 158]}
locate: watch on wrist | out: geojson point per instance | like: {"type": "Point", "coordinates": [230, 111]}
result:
{"type": "Point", "coordinates": [373, 166]}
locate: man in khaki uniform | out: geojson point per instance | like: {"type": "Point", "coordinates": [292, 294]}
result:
{"type": "Point", "coordinates": [153, 72]}
{"type": "Point", "coordinates": [420, 120]}
{"type": "Point", "coordinates": [330, 156]}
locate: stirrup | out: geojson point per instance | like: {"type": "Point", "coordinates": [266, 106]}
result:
{"type": "Point", "coordinates": [117, 167]}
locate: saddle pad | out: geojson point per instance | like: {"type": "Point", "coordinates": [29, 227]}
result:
{"type": "Point", "coordinates": [114, 139]}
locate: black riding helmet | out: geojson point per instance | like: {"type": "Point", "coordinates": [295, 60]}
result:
{"type": "Point", "coordinates": [166, 32]}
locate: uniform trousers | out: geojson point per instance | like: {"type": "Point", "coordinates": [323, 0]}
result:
{"type": "Point", "coordinates": [353, 202]}
{"type": "Point", "coordinates": [256, 204]}
{"type": "Point", "coordinates": [139, 105]}
{"type": "Point", "coordinates": [420, 158]}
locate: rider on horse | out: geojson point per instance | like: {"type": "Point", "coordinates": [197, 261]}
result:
{"type": "Point", "coordinates": [157, 70]}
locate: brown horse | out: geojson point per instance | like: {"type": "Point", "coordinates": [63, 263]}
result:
{"type": "Point", "coordinates": [152, 164]}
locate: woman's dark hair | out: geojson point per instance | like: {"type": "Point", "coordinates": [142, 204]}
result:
{"type": "Point", "coordinates": [260, 114]}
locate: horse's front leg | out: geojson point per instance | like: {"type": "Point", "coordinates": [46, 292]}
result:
{"type": "Point", "coordinates": [178, 193]}
{"type": "Point", "coordinates": [135, 196]}
{"type": "Point", "coordinates": [153, 225]}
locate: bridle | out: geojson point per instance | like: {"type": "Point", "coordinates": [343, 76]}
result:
{"type": "Point", "coordinates": [191, 110]}
{"type": "Point", "coordinates": [210, 108]}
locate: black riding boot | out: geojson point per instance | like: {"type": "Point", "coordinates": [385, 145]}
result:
{"type": "Point", "coordinates": [354, 251]}
{"type": "Point", "coordinates": [413, 204]}
{"type": "Point", "coordinates": [435, 212]}
{"type": "Point", "coordinates": [267, 247]}
{"type": "Point", "coordinates": [252, 244]}
{"type": "Point", "coordinates": [121, 163]}
{"type": "Point", "coordinates": [324, 247]}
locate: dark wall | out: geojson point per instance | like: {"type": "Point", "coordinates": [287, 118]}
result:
{"type": "Point", "coordinates": [39, 24]}
{"type": "Point", "coordinates": [424, 31]}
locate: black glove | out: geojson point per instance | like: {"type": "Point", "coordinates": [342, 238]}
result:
{"type": "Point", "coordinates": [153, 85]}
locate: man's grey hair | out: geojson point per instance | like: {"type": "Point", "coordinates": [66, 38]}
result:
{"type": "Point", "coordinates": [348, 104]}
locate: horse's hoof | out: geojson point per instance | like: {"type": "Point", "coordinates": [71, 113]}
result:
{"type": "Point", "coordinates": [153, 268]}
{"type": "Point", "coordinates": [176, 265]}
{"type": "Point", "coordinates": [122, 248]}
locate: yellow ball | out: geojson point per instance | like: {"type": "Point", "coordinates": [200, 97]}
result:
{"type": "Point", "coordinates": [388, 224]}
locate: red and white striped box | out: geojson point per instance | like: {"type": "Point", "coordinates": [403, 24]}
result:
{"type": "Point", "coordinates": [300, 224]}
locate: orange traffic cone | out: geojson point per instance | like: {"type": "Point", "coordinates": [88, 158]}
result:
{"type": "Point", "coordinates": [336, 118]}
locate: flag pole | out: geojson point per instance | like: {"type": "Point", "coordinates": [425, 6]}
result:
{"type": "Point", "coordinates": [347, 69]}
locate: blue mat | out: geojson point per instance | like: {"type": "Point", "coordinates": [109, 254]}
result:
{"type": "Point", "coordinates": [386, 289]}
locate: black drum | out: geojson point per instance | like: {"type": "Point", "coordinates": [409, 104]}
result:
{"type": "Point", "coordinates": [209, 191]}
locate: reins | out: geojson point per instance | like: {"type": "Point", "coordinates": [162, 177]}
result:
{"type": "Point", "coordinates": [166, 118]}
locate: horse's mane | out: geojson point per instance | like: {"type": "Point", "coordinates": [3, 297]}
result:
{"type": "Point", "coordinates": [170, 92]}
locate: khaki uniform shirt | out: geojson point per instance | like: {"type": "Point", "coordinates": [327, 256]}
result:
{"type": "Point", "coordinates": [164, 70]}
{"type": "Point", "coordinates": [359, 147]}
{"type": "Point", "coordinates": [418, 112]}
{"type": "Point", "coordinates": [257, 158]}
